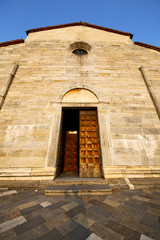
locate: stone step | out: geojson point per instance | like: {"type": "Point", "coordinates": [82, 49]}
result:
{"type": "Point", "coordinates": [78, 189]}
{"type": "Point", "coordinates": [78, 181]}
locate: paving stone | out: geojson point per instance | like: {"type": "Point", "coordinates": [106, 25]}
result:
{"type": "Point", "coordinates": [69, 206]}
{"type": "Point", "coordinates": [56, 205]}
{"type": "Point", "coordinates": [7, 211]}
{"type": "Point", "coordinates": [115, 217]}
{"type": "Point", "coordinates": [149, 200]}
{"type": "Point", "coordinates": [81, 200]}
{"type": "Point", "coordinates": [84, 203]}
{"type": "Point", "coordinates": [143, 237]}
{"type": "Point", "coordinates": [2, 194]}
{"type": "Point", "coordinates": [150, 216]}
{"type": "Point", "coordinates": [86, 198]}
{"type": "Point", "coordinates": [30, 209]}
{"type": "Point", "coordinates": [74, 211]}
{"type": "Point", "coordinates": [150, 222]}
{"type": "Point", "coordinates": [14, 214]}
{"type": "Point", "coordinates": [39, 212]}
{"type": "Point", "coordinates": [155, 195]}
{"type": "Point", "coordinates": [84, 220]}
{"type": "Point", "coordinates": [20, 199]}
{"type": "Point", "coordinates": [47, 214]}
{"type": "Point", "coordinates": [152, 205]}
{"type": "Point", "coordinates": [45, 204]}
{"type": "Point", "coordinates": [114, 199]}
{"type": "Point", "coordinates": [124, 195]}
{"type": "Point", "coordinates": [146, 195]}
{"type": "Point", "coordinates": [79, 233]}
{"type": "Point", "coordinates": [67, 226]}
{"type": "Point", "coordinates": [5, 207]}
{"type": "Point", "coordinates": [147, 191]}
{"type": "Point", "coordinates": [27, 205]}
{"type": "Point", "coordinates": [11, 223]}
{"type": "Point", "coordinates": [111, 203]}
{"type": "Point", "coordinates": [29, 225]}
{"type": "Point", "coordinates": [95, 202]}
{"type": "Point", "coordinates": [156, 235]}
{"type": "Point", "coordinates": [137, 226]}
{"type": "Point", "coordinates": [97, 217]}
{"type": "Point", "coordinates": [125, 231]}
{"type": "Point", "coordinates": [103, 205]}
{"type": "Point", "coordinates": [127, 214]}
{"type": "Point", "coordinates": [100, 211]}
{"type": "Point", "coordinates": [27, 196]}
{"type": "Point", "coordinates": [154, 201]}
{"type": "Point", "coordinates": [54, 234]}
{"type": "Point", "coordinates": [154, 211]}
{"type": "Point", "coordinates": [33, 233]}
{"type": "Point", "coordinates": [135, 205]}
{"type": "Point", "coordinates": [105, 233]}
{"type": "Point", "coordinates": [8, 235]}
{"type": "Point", "coordinates": [143, 199]}
{"type": "Point", "coordinates": [93, 236]}
{"type": "Point", "coordinates": [56, 221]}
{"type": "Point", "coordinates": [57, 199]}
{"type": "Point", "coordinates": [4, 218]}
{"type": "Point", "coordinates": [99, 198]}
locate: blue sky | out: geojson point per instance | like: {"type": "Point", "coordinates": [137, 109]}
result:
{"type": "Point", "coordinates": [139, 17]}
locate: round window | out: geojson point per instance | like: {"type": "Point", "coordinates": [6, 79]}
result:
{"type": "Point", "coordinates": [80, 52]}
{"type": "Point", "coordinates": [80, 48]}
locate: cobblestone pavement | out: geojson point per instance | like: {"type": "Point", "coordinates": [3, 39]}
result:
{"type": "Point", "coordinates": [126, 214]}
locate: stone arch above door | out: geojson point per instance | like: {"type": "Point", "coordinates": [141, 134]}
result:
{"type": "Point", "coordinates": [80, 95]}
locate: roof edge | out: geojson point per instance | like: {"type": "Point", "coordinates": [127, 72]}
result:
{"type": "Point", "coordinates": [147, 46]}
{"type": "Point", "coordinates": [12, 42]}
{"type": "Point", "coordinates": [79, 24]}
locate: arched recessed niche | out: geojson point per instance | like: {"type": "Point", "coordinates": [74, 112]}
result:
{"type": "Point", "coordinates": [80, 95]}
{"type": "Point", "coordinates": [80, 48]}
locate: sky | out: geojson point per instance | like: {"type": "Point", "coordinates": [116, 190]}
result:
{"type": "Point", "coordinates": [139, 17]}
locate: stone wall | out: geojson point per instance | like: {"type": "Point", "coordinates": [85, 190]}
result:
{"type": "Point", "coordinates": [30, 116]}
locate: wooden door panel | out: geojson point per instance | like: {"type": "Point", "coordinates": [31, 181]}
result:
{"type": "Point", "coordinates": [71, 152]}
{"type": "Point", "coordinates": [89, 159]}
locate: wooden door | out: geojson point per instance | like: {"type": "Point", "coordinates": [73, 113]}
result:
{"type": "Point", "coordinates": [71, 152]}
{"type": "Point", "coordinates": [89, 149]}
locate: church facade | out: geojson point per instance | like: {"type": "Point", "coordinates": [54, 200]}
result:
{"type": "Point", "coordinates": [79, 98]}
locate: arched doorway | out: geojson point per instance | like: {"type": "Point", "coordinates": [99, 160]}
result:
{"type": "Point", "coordinates": [79, 148]}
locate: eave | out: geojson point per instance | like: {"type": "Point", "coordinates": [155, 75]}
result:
{"type": "Point", "coordinates": [79, 24]}
{"type": "Point", "coordinates": [13, 42]}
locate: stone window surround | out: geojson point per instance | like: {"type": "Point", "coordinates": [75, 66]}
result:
{"type": "Point", "coordinates": [80, 45]}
